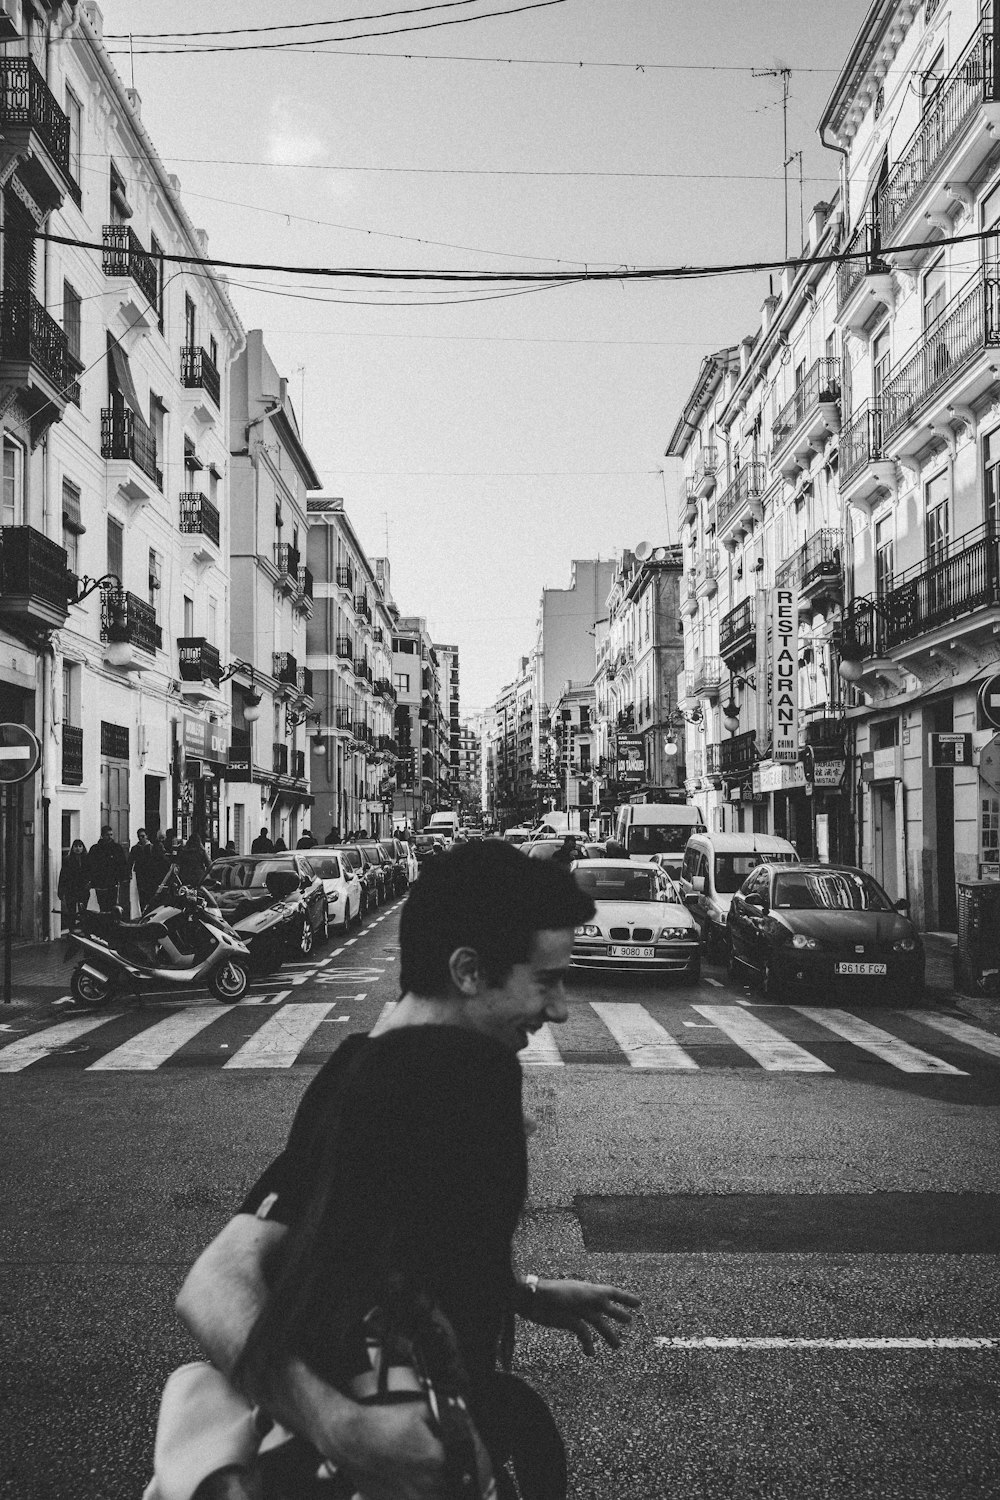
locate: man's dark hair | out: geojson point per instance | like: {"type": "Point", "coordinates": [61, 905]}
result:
{"type": "Point", "coordinates": [488, 897]}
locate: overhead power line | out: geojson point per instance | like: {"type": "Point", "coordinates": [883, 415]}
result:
{"type": "Point", "coordinates": [385, 15]}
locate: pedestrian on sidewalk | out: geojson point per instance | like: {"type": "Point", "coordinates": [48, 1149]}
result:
{"type": "Point", "coordinates": [143, 864]}
{"type": "Point", "coordinates": [192, 863]}
{"type": "Point", "coordinates": [280, 847]}
{"type": "Point", "coordinates": [74, 886]}
{"type": "Point", "coordinates": [262, 843]}
{"type": "Point", "coordinates": [306, 840]}
{"type": "Point", "coordinates": [107, 869]}
{"type": "Point", "coordinates": [333, 837]}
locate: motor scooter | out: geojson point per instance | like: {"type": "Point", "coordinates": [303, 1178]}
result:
{"type": "Point", "coordinates": [183, 940]}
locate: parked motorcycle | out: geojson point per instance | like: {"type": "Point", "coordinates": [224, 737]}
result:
{"type": "Point", "coordinates": [182, 940]}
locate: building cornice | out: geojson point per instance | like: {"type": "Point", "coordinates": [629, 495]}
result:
{"type": "Point", "coordinates": [868, 62]}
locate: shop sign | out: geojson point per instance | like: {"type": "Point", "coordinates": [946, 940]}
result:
{"type": "Point", "coordinates": [631, 758]}
{"type": "Point", "coordinates": [735, 793]}
{"type": "Point", "coordinates": [204, 741]}
{"type": "Point", "coordinates": [949, 749]}
{"type": "Point", "coordinates": [784, 676]}
{"type": "Point", "coordinates": [781, 778]}
{"type": "Point", "coordinates": [882, 765]}
{"type": "Point", "coordinates": [747, 793]}
{"type": "Point", "coordinates": [989, 871]}
{"type": "Point", "coordinates": [828, 775]}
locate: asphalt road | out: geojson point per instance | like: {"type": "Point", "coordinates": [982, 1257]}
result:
{"type": "Point", "coordinates": [809, 1211]}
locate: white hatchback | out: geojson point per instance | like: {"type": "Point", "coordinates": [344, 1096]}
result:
{"type": "Point", "coordinates": [341, 885]}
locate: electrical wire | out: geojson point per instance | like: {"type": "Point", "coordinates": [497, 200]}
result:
{"type": "Point", "coordinates": [123, 36]}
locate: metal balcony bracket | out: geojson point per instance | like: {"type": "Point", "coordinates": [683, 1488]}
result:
{"type": "Point", "coordinates": [909, 467]}
{"type": "Point", "coordinates": [943, 432]}
{"type": "Point", "coordinates": [966, 417]}
{"type": "Point", "coordinates": [940, 221]}
{"type": "Point", "coordinates": [960, 193]}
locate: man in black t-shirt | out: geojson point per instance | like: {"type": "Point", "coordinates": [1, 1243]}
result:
{"type": "Point", "coordinates": [485, 941]}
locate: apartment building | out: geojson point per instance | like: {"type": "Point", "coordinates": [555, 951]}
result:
{"type": "Point", "coordinates": [349, 652]}
{"type": "Point", "coordinates": [569, 754]}
{"type": "Point", "coordinates": [422, 783]}
{"type": "Point", "coordinates": [451, 728]}
{"type": "Point", "coordinates": [470, 766]}
{"type": "Point", "coordinates": [271, 597]}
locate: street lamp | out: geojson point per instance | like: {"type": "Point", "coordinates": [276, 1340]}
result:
{"type": "Point", "coordinates": [252, 700]}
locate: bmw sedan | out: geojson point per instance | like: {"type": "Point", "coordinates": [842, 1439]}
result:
{"type": "Point", "coordinates": [819, 929]}
{"type": "Point", "coordinates": [641, 922]}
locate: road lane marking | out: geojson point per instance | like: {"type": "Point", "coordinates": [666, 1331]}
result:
{"type": "Point", "coordinates": [336, 953]}
{"type": "Point", "coordinates": [986, 1342]}
{"type": "Point", "coordinates": [972, 1036]}
{"type": "Point", "coordinates": [707, 979]}
{"type": "Point", "coordinates": [541, 1051]}
{"type": "Point", "coordinates": [775, 1053]}
{"type": "Point", "coordinates": [879, 1043]}
{"type": "Point", "coordinates": [21, 1054]}
{"type": "Point", "coordinates": [147, 1050]}
{"type": "Point", "coordinates": [281, 1038]}
{"type": "Point", "coordinates": [266, 1000]}
{"type": "Point", "coordinates": [645, 1043]}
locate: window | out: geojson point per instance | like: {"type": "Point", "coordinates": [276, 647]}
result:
{"type": "Point", "coordinates": [71, 319]}
{"type": "Point", "coordinates": [880, 362]}
{"type": "Point", "coordinates": [213, 350]}
{"type": "Point", "coordinates": [12, 513]}
{"type": "Point", "coordinates": [188, 616]}
{"type": "Point", "coordinates": [213, 622]}
{"type": "Point", "coordinates": [884, 555]}
{"type": "Point", "coordinates": [72, 525]}
{"type": "Point", "coordinates": [934, 293]}
{"type": "Point", "coordinates": [70, 693]}
{"type": "Point", "coordinates": [116, 547]}
{"type": "Point", "coordinates": [884, 734]}
{"type": "Point", "coordinates": [402, 682]}
{"type": "Point", "coordinates": [991, 477]}
{"type": "Point", "coordinates": [156, 251]}
{"type": "Point", "coordinates": [937, 517]}
{"type": "Point", "coordinates": [190, 325]}
{"type": "Point", "coordinates": [74, 114]}
{"type": "Point", "coordinates": [155, 576]}
{"type": "Point", "coordinates": [120, 209]}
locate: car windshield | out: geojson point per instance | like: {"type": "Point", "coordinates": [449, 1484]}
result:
{"type": "Point", "coordinates": [732, 869]}
{"type": "Point", "coordinates": [659, 838]}
{"type": "Point", "coordinates": [326, 866]}
{"type": "Point", "coordinates": [352, 857]}
{"type": "Point", "coordinates": [829, 890]}
{"type": "Point", "coordinates": [243, 875]}
{"type": "Point", "coordinates": [389, 847]}
{"type": "Point", "coordinates": [425, 841]}
{"type": "Point", "coordinates": [620, 885]}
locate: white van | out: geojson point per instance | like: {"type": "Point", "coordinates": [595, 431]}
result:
{"type": "Point", "coordinates": [646, 829]}
{"type": "Point", "coordinates": [444, 825]}
{"type": "Point", "coordinates": [715, 866]}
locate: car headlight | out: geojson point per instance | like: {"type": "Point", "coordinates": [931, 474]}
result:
{"type": "Point", "coordinates": [905, 945]}
{"type": "Point", "coordinates": [675, 934]}
{"type": "Point", "coordinates": [801, 941]}
{"type": "Point", "coordinates": [588, 930]}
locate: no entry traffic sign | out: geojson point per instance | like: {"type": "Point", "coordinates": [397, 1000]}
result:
{"type": "Point", "coordinates": [20, 753]}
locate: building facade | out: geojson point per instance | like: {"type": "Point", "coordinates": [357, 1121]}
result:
{"type": "Point", "coordinates": [449, 699]}
{"type": "Point", "coordinates": [422, 783]}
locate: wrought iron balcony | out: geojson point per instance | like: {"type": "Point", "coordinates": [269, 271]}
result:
{"type": "Point", "coordinates": [378, 635]}
{"type": "Point", "coordinates": [738, 632]}
{"type": "Point", "coordinates": [125, 256]}
{"type": "Point", "coordinates": [286, 560]}
{"type": "Point", "coordinates": [360, 667]}
{"type": "Point", "coordinates": [812, 412]}
{"type": "Point", "coordinates": [738, 755]}
{"type": "Point", "coordinates": [362, 607]}
{"type": "Point", "coordinates": [708, 675]}
{"type": "Point", "coordinates": [198, 372]}
{"type": "Point", "coordinates": [127, 618]}
{"type": "Point", "coordinates": [305, 582]}
{"type": "Point", "coordinates": [344, 647]}
{"type": "Point", "coordinates": [707, 572]}
{"type": "Point", "coordinates": [343, 718]}
{"type": "Point", "coordinates": [826, 732]}
{"type": "Point", "coordinates": [299, 765]}
{"type": "Point", "coordinates": [705, 468]}
{"type": "Point", "coordinates": [285, 668]}
{"type": "Point", "coordinates": [385, 688]}
{"type": "Point", "coordinates": [971, 83]}
{"type": "Point", "coordinates": [304, 681]}
{"type": "Point", "coordinates": [280, 760]}
{"type": "Point", "coordinates": [861, 442]}
{"type": "Point", "coordinates": [345, 579]}
{"type": "Point", "coordinates": [689, 597]}
{"type": "Point", "coordinates": [864, 247]}
{"type": "Point", "coordinates": [124, 435]}
{"type": "Point", "coordinates": [30, 117]}
{"type": "Point", "coordinates": [817, 567]}
{"type": "Point", "coordinates": [199, 517]}
{"type": "Point", "coordinates": [72, 755]}
{"type": "Point", "coordinates": [689, 499]}
{"type": "Point", "coordinates": [35, 583]}
{"type": "Point", "coordinates": [741, 502]}
{"type": "Point", "coordinates": [713, 759]}
{"type": "Point", "coordinates": [967, 326]}
{"type": "Point", "coordinates": [32, 340]}
{"type": "Point", "coordinates": [199, 660]}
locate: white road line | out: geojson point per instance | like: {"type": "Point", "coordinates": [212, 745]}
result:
{"type": "Point", "coordinates": [18, 1055]}
{"type": "Point", "coordinates": [146, 1051]}
{"type": "Point", "coordinates": [988, 1342]}
{"type": "Point", "coordinates": [775, 1053]}
{"type": "Point", "coordinates": [707, 979]}
{"type": "Point", "coordinates": [280, 1040]}
{"type": "Point", "coordinates": [876, 1041]}
{"type": "Point", "coordinates": [541, 1051]}
{"type": "Point", "coordinates": [972, 1036]}
{"type": "Point", "coordinates": [350, 942]}
{"type": "Point", "coordinates": [645, 1043]}
{"type": "Point", "coordinates": [264, 1000]}
{"type": "Point", "coordinates": [336, 953]}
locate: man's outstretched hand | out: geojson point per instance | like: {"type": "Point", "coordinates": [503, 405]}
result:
{"type": "Point", "coordinates": [584, 1309]}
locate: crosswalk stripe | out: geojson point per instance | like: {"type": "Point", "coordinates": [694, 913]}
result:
{"type": "Point", "coordinates": [29, 1049]}
{"type": "Point", "coordinates": [645, 1043]}
{"type": "Point", "coordinates": [282, 1037]}
{"type": "Point", "coordinates": [972, 1036]}
{"type": "Point", "coordinates": [873, 1039]}
{"type": "Point", "coordinates": [542, 1050]}
{"type": "Point", "coordinates": [774, 1052]}
{"type": "Point", "coordinates": [148, 1049]}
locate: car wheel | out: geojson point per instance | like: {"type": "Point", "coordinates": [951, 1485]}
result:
{"type": "Point", "coordinates": [86, 989]}
{"type": "Point", "coordinates": [229, 981]}
{"type": "Point", "coordinates": [304, 946]}
{"type": "Point", "coordinates": [770, 984]}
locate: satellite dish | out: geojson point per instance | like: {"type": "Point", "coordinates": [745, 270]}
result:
{"type": "Point", "coordinates": [659, 554]}
{"type": "Point", "coordinates": [642, 551]}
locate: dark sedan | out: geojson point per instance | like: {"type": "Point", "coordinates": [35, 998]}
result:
{"type": "Point", "coordinates": [817, 929]}
{"type": "Point", "coordinates": [274, 901]}
{"type": "Point", "coordinates": [382, 866]}
{"type": "Point", "coordinates": [395, 853]}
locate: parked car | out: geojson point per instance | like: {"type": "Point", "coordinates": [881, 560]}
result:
{"type": "Point", "coordinates": [357, 860]}
{"type": "Point", "coordinates": [412, 863]}
{"type": "Point", "coordinates": [640, 923]}
{"type": "Point", "coordinates": [550, 848]}
{"type": "Point", "coordinates": [715, 865]}
{"type": "Point", "coordinates": [818, 929]}
{"type": "Point", "coordinates": [341, 883]}
{"type": "Point", "coordinates": [274, 901]}
{"type": "Point", "coordinates": [427, 846]}
{"type": "Point", "coordinates": [383, 868]}
{"type": "Point", "coordinates": [393, 850]}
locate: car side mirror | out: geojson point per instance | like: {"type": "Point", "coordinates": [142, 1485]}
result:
{"type": "Point", "coordinates": [691, 899]}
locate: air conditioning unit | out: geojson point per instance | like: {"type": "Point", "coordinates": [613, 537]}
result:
{"type": "Point", "coordinates": [10, 20]}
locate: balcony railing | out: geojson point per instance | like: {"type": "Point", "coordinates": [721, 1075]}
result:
{"type": "Point", "coordinates": [304, 681]}
{"type": "Point", "coordinates": [127, 618]}
{"type": "Point", "coordinates": [707, 675]}
{"type": "Point", "coordinates": [33, 572]}
{"type": "Point", "coordinates": [713, 760]}
{"type": "Point", "coordinates": [360, 667]}
{"type": "Point", "coordinates": [305, 583]}
{"type": "Point", "coordinates": [819, 560]}
{"type": "Point", "coordinates": [199, 517]}
{"type": "Point", "coordinates": [345, 647]}
{"type": "Point", "coordinates": [738, 755]}
{"type": "Point", "coordinates": [125, 256]}
{"type": "Point", "coordinates": [286, 559]}
{"type": "Point", "coordinates": [125, 435]}
{"type": "Point", "coordinates": [707, 568]}
{"type": "Point", "coordinates": [705, 466]}
{"type": "Point", "coordinates": [970, 83]}
{"type": "Point", "coordinates": [285, 668]}
{"type": "Point", "coordinates": [343, 718]}
{"type": "Point", "coordinates": [737, 630]}
{"type": "Point", "coordinates": [748, 485]}
{"type": "Point", "coordinates": [198, 372]}
{"type": "Point", "coordinates": [864, 246]}
{"type": "Point", "coordinates": [825, 732]}
{"type": "Point", "coordinates": [199, 660]}
{"type": "Point", "coordinates": [820, 386]}
{"type": "Point", "coordinates": [378, 635]}
{"type": "Point", "coordinates": [969, 324]}
{"type": "Point", "coordinates": [363, 608]}
{"type": "Point", "coordinates": [28, 335]}
{"type": "Point", "coordinates": [861, 442]}
{"type": "Point", "coordinates": [26, 99]}
{"type": "Point", "coordinates": [345, 579]}
{"type": "Point", "coordinates": [384, 687]}
{"type": "Point", "coordinates": [72, 755]}
{"type": "Point", "coordinates": [299, 764]}
{"type": "Point", "coordinates": [280, 760]}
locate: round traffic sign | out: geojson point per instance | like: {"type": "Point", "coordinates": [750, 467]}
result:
{"type": "Point", "coordinates": [20, 753]}
{"type": "Point", "coordinates": [989, 700]}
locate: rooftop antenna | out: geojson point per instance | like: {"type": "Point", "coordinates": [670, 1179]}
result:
{"type": "Point", "coordinates": [301, 370]}
{"type": "Point", "coordinates": [131, 54]}
{"type": "Point", "coordinates": [666, 508]}
{"type": "Point", "coordinates": [785, 74]}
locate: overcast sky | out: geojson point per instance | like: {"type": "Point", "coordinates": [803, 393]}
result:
{"type": "Point", "coordinates": [494, 440]}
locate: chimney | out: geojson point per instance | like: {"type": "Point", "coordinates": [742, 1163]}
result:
{"type": "Point", "coordinates": [93, 13]}
{"type": "Point", "coordinates": [746, 349]}
{"type": "Point", "coordinates": [201, 235]}
{"type": "Point", "coordinates": [817, 223]}
{"type": "Point", "coordinates": [135, 99]}
{"type": "Point", "coordinates": [767, 311]}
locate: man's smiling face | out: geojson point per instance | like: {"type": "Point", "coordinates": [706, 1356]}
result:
{"type": "Point", "coordinates": [531, 994]}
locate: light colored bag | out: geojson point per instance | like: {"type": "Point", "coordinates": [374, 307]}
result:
{"type": "Point", "coordinates": [204, 1425]}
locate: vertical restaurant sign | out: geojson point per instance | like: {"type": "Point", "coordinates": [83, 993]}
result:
{"type": "Point", "coordinates": [784, 676]}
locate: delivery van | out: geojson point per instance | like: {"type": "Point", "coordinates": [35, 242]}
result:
{"type": "Point", "coordinates": [646, 829]}
{"type": "Point", "coordinates": [715, 865]}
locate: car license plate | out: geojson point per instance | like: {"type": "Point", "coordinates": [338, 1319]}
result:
{"type": "Point", "coordinates": [860, 969]}
{"type": "Point", "coordinates": [620, 951]}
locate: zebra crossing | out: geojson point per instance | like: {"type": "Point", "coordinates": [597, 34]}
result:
{"type": "Point", "coordinates": [683, 1038]}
